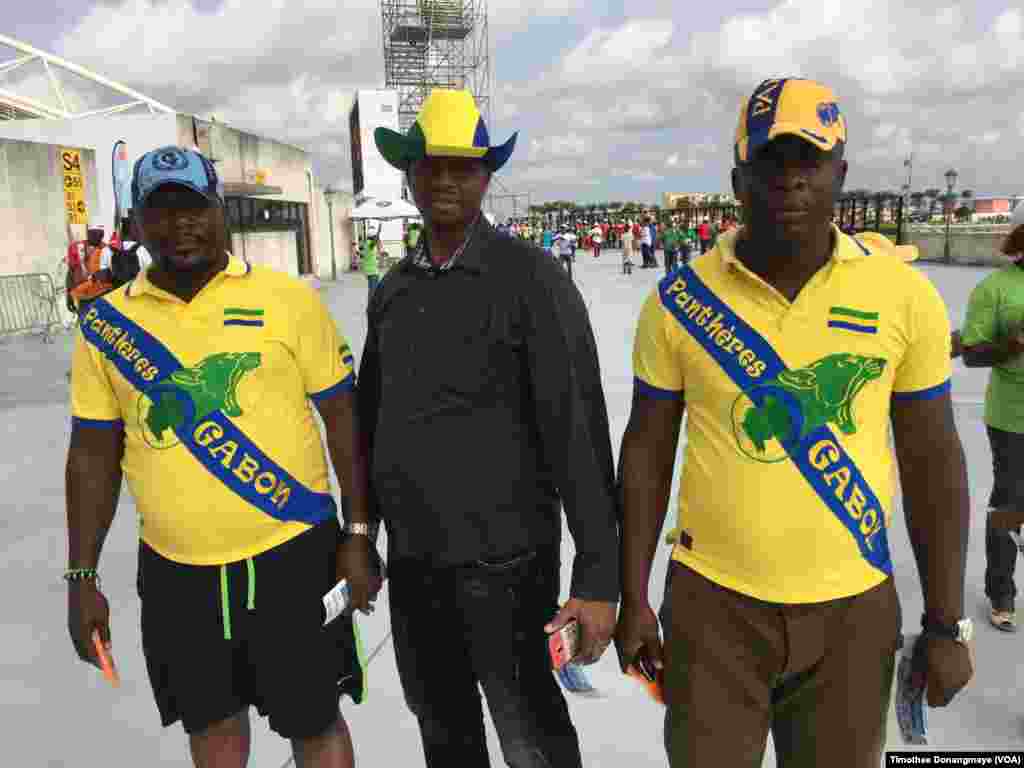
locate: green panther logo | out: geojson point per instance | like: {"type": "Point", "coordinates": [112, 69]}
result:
{"type": "Point", "coordinates": [781, 412]}
{"type": "Point", "coordinates": [191, 394]}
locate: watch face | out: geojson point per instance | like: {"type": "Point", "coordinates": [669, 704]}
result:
{"type": "Point", "coordinates": [966, 630]}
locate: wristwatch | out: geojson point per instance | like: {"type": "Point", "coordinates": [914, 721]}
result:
{"type": "Point", "coordinates": [960, 632]}
{"type": "Point", "coordinates": [360, 529]}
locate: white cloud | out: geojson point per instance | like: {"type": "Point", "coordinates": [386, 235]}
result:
{"type": "Point", "coordinates": [602, 100]}
{"type": "Point", "coordinates": [571, 175]}
{"type": "Point", "coordinates": [637, 175]}
{"type": "Point", "coordinates": [613, 55]}
{"type": "Point", "coordinates": [566, 145]}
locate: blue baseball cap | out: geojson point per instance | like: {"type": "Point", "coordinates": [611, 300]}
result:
{"type": "Point", "coordinates": [175, 165]}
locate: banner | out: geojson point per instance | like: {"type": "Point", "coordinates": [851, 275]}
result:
{"type": "Point", "coordinates": [74, 187]}
{"type": "Point", "coordinates": [121, 171]}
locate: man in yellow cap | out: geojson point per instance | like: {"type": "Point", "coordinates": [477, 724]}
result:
{"type": "Point", "coordinates": [793, 347]}
{"type": "Point", "coordinates": [480, 394]}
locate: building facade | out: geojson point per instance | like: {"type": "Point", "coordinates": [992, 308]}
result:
{"type": "Point", "coordinates": [670, 200]}
{"type": "Point", "coordinates": [274, 204]}
{"type": "Point", "coordinates": [34, 216]}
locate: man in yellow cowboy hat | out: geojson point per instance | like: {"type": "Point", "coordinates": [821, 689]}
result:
{"type": "Point", "coordinates": [480, 394]}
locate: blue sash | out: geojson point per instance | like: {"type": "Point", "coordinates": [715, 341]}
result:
{"type": "Point", "coordinates": [747, 358]}
{"type": "Point", "coordinates": [145, 363]}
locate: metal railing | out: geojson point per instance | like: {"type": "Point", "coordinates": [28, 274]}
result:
{"type": "Point", "coordinates": [28, 304]}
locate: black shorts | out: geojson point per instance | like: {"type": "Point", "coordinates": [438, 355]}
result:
{"type": "Point", "coordinates": [218, 639]}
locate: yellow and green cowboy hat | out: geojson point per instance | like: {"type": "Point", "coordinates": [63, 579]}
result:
{"type": "Point", "coordinates": [448, 125]}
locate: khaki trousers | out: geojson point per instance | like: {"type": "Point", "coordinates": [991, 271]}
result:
{"type": "Point", "coordinates": [817, 676]}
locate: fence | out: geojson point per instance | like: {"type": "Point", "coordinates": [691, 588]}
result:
{"type": "Point", "coordinates": [28, 303]}
{"type": "Point", "coordinates": [878, 213]}
{"type": "Point", "coordinates": [968, 245]}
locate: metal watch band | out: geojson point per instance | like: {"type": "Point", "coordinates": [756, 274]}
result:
{"type": "Point", "coordinates": [359, 529]}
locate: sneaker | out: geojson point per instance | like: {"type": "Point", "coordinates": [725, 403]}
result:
{"type": "Point", "coordinates": [1002, 615]}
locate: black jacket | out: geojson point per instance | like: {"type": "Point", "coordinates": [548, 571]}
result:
{"type": "Point", "coordinates": [480, 394]}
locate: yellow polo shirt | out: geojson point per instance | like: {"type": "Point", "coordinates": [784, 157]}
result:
{"type": "Point", "coordinates": [222, 453]}
{"type": "Point", "coordinates": [788, 475]}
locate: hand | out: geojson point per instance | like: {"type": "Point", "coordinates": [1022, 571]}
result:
{"type": "Point", "coordinates": [87, 610]}
{"type": "Point", "coordinates": [1006, 519]}
{"type": "Point", "coordinates": [359, 563]}
{"type": "Point", "coordinates": [597, 622]}
{"type": "Point", "coordinates": [637, 632]}
{"type": "Point", "coordinates": [945, 665]}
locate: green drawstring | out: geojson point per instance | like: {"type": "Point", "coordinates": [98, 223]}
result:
{"type": "Point", "coordinates": [252, 584]}
{"type": "Point", "coordinates": [225, 610]}
{"type": "Point", "coordinates": [225, 601]}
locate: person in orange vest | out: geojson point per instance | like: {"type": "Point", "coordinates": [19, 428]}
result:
{"type": "Point", "coordinates": [89, 269]}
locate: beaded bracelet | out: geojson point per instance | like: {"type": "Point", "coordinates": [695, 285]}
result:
{"type": "Point", "coordinates": [82, 574]}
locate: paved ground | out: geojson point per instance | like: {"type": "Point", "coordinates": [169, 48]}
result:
{"type": "Point", "coordinates": [58, 712]}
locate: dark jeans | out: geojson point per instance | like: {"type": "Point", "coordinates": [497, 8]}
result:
{"type": "Point", "coordinates": [705, 246]}
{"type": "Point", "coordinates": [372, 281]}
{"type": "Point", "coordinates": [457, 629]}
{"type": "Point", "coordinates": [647, 253]}
{"type": "Point", "coordinates": [670, 260]}
{"type": "Point", "coordinates": [1008, 488]}
{"type": "Point", "coordinates": [567, 263]}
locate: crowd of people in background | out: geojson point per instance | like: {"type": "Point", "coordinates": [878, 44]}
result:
{"type": "Point", "coordinates": [679, 237]}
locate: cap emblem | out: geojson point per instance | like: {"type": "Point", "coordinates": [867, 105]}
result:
{"type": "Point", "coordinates": [828, 113]}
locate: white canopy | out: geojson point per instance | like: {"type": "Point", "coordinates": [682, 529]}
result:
{"type": "Point", "coordinates": [384, 210]}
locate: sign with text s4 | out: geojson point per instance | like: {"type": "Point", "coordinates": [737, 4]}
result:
{"type": "Point", "coordinates": [74, 186]}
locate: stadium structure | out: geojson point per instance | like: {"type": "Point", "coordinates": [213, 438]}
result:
{"type": "Point", "coordinates": [45, 86]}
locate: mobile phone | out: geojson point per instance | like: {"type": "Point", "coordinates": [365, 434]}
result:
{"type": "Point", "coordinates": [564, 645]}
{"type": "Point", "coordinates": [910, 709]}
{"type": "Point", "coordinates": [643, 670]}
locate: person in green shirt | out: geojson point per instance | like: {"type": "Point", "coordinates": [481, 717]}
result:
{"type": "Point", "coordinates": [369, 264]}
{"type": "Point", "coordinates": [672, 238]}
{"type": "Point", "coordinates": [412, 237]}
{"type": "Point", "coordinates": [993, 337]}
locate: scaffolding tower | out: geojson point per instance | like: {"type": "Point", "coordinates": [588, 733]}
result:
{"type": "Point", "coordinates": [436, 44]}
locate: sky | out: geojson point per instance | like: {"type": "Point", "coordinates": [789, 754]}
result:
{"type": "Point", "coordinates": [612, 100]}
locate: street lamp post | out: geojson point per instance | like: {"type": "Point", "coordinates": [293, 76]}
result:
{"type": "Point", "coordinates": [329, 194]}
{"type": "Point", "coordinates": [950, 183]}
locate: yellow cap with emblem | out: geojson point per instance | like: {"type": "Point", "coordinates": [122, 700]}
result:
{"type": "Point", "coordinates": [789, 106]}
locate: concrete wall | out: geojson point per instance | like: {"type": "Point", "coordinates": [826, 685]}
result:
{"type": "Point", "coordinates": [240, 155]}
{"type": "Point", "coordinates": [343, 234]}
{"type": "Point", "coordinates": [141, 132]}
{"type": "Point", "coordinates": [33, 222]}
{"type": "Point", "coordinates": [272, 249]}
{"type": "Point", "coordinates": [966, 246]}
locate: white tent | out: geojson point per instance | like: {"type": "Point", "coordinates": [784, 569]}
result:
{"type": "Point", "coordinates": [384, 210]}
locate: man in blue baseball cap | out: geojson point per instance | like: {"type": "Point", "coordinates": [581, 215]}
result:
{"type": "Point", "coordinates": [196, 378]}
